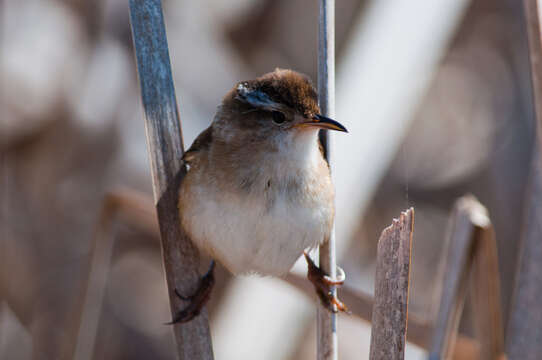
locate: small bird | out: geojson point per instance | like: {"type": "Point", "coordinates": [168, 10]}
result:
{"type": "Point", "coordinates": [258, 190]}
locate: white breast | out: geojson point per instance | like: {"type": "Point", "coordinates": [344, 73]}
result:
{"type": "Point", "coordinates": [247, 234]}
{"type": "Point", "coordinates": [246, 237]}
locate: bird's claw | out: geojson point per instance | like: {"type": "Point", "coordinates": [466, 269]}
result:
{"type": "Point", "coordinates": [182, 297]}
{"type": "Point", "coordinates": [323, 285]}
{"type": "Point", "coordinates": [196, 300]}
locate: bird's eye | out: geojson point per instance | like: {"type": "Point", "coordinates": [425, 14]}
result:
{"type": "Point", "coordinates": [278, 117]}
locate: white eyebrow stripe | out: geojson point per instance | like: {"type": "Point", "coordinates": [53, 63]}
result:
{"type": "Point", "coordinates": [256, 98]}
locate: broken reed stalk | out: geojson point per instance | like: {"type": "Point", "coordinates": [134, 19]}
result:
{"type": "Point", "coordinates": [327, 341]}
{"type": "Point", "coordinates": [165, 146]}
{"type": "Point", "coordinates": [459, 257]}
{"type": "Point", "coordinates": [486, 294]}
{"type": "Point", "coordinates": [390, 309]}
{"type": "Point", "coordinates": [472, 250]}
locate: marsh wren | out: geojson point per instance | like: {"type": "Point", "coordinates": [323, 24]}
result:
{"type": "Point", "coordinates": [258, 191]}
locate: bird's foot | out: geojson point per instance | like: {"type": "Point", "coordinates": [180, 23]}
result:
{"type": "Point", "coordinates": [196, 300]}
{"type": "Point", "coordinates": [323, 286]}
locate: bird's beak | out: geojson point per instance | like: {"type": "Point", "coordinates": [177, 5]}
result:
{"type": "Point", "coordinates": [324, 123]}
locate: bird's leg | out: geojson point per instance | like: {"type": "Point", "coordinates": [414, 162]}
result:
{"type": "Point", "coordinates": [323, 283]}
{"type": "Point", "coordinates": [196, 300]}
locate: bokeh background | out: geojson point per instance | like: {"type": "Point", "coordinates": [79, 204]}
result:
{"type": "Point", "coordinates": [436, 95]}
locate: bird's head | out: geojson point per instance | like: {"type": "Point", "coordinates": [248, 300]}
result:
{"type": "Point", "coordinates": [275, 105]}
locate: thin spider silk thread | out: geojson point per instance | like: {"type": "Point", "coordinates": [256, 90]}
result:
{"type": "Point", "coordinates": [405, 160]}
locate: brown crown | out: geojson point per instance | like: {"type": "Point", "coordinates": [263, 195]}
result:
{"type": "Point", "coordinates": [290, 88]}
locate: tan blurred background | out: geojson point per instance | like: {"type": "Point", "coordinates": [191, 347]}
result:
{"type": "Point", "coordinates": [436, 96]}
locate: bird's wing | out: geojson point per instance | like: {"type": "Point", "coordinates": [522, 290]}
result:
{"type": "Point", "coordinates": [201, 143]}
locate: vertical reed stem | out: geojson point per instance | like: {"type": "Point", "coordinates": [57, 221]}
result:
{"type": "Point", "coordinates": [327, 321]}
{"type": "Point", "coordinates": [165, 146]}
